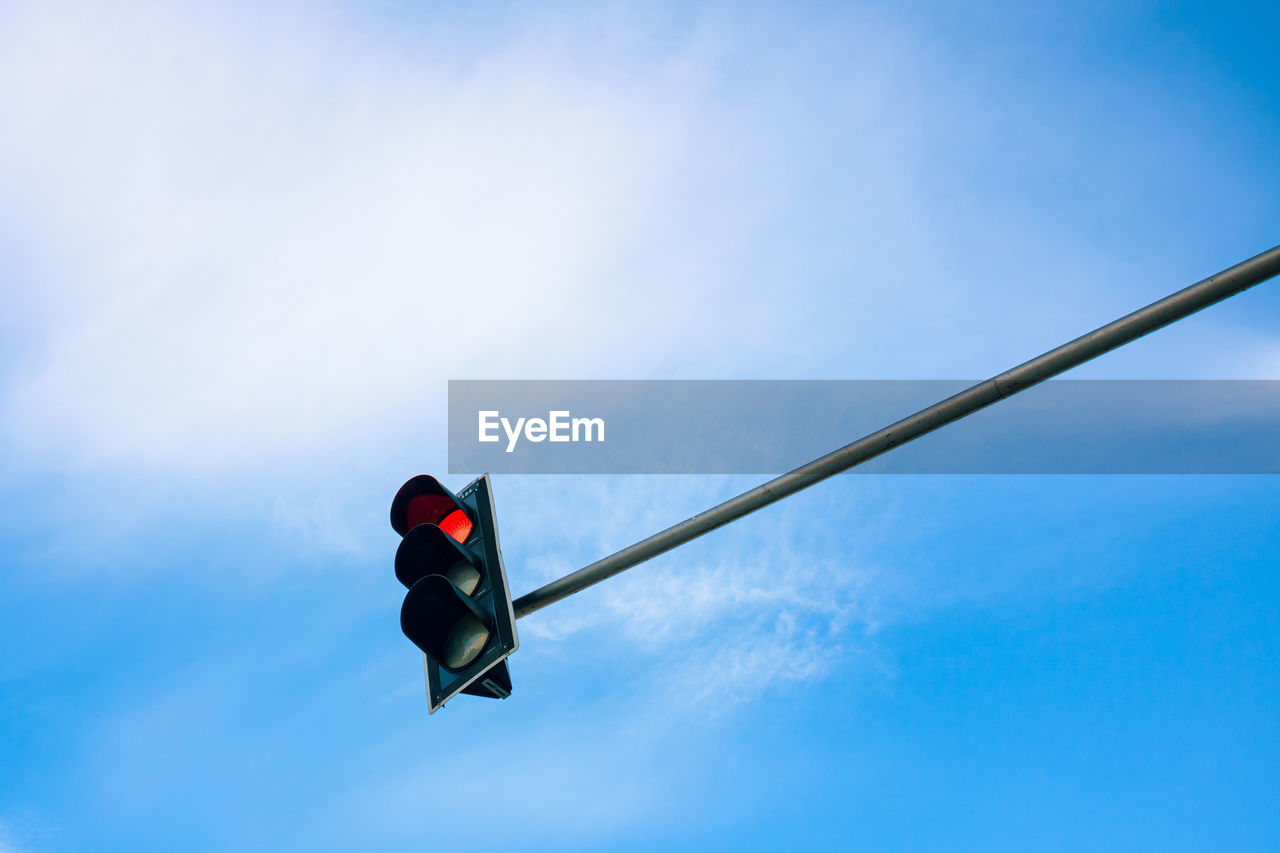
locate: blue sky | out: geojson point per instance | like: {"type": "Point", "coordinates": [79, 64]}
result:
{"type": "Point", "coordinates": [245, 247]}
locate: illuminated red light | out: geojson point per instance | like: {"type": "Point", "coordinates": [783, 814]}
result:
{"type": "Point", "coordinates": [440, 511]}
{"type": "Point", "coordinates": [457, 525]}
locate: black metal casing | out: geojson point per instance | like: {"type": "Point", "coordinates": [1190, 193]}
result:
{"type": "Point", "coordinates": [487, 675]}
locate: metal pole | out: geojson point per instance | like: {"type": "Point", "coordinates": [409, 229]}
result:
{"type": "Point", "coordinates": [1227, 283]}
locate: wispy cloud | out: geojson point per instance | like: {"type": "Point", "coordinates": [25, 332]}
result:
{"type": "Point", "coordinates": [558, 785]}
{"type": "Point", "coordinates": [8, 842]}
{"type": "Point", "coordinates": [730, 621]}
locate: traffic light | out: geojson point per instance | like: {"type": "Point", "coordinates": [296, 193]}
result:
{"type": "Point", "coordinates": [458, 608]}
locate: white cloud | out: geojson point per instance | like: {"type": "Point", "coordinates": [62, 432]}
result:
{"type": "Point", "coordinates": [256, 236]}
{"type": "Point", "coordinates": [243, 225]}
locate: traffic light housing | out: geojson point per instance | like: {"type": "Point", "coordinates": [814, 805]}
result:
{"type": "Point", "coordinates": [458, 608]}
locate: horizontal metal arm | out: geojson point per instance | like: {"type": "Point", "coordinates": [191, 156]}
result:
{"type": "Point", "coordinates": [1128, 328]}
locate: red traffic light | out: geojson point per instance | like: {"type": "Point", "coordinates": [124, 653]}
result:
{"type": "Point", "coordinates": [458, 609]}
{"type": "Point", "coordinates": [422, 500]}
